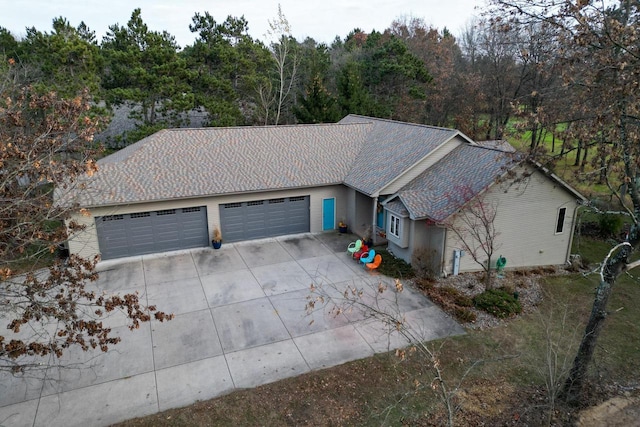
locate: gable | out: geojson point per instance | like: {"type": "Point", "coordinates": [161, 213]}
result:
{"type": "Point", "coordinates": [443, 188]}
{"type": "Point", "coordinates": [391, 149]}
{"type": "Point", "coordinates": [415, 171]}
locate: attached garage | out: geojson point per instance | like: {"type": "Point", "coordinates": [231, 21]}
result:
{"type": "Point", "coordinates": [152, 231]}
{"type": "Point", "coordinates": [264, 218]}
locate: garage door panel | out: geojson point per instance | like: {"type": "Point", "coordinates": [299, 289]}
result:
{"type": "Point", "coordinates": [136, 248]}
{"type": "Point", "coordinates": [112, 231]}
{"type": "Point", "coordinates": [171, 236]}
{"type": "Point", "coordinates": [154, 231]}
{"type": "Point", "coordinates": [231, 220]}
{"type": "Point", "coordinates": [277, 216]}
{"type": "Point", "coordinates": [255, 219]}
{"type": "Point", "coordinates": [299, 214]}
{"type": "Point", "coordinates": [264, 218]}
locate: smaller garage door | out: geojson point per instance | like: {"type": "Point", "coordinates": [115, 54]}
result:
{"type": "Point", "coordinates": [153, 231]}
{"type": "Point", "coordinates": [264, 218]}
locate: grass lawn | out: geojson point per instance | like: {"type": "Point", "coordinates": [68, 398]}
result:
{"type": "Point", "coordinates": [506, 383]}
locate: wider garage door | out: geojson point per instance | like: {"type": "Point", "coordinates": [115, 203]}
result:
{"type": "Point", "coordinates": [154, 231]}
{"type": "Point", "coordinates": [264, 218]}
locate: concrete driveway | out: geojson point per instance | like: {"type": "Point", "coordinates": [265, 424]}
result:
{"type": "Point", "coordinates": [240, 322]}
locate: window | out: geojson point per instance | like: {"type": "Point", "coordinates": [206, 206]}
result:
{"type": "Point", "coordinates": [140, 215]}
{"type": "Point", "coordinates": [166, 212]}
{"type": "Point", "coordinates": [189, 210]}
{"type": "Point", "coordinates": [560, 223]}
{"type": "Point", "coordinates": [394, 227]}
{"type": "Point", "coordinates": [112, 217]}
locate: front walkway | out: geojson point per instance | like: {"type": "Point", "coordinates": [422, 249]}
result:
{"type": "Point", "coordinates": [240, 322]}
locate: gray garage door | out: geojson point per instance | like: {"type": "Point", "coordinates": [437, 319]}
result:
{"type": "Point", "coordinates": [154, 231]}
{"type": "Point", "coordinates": [264, 218]}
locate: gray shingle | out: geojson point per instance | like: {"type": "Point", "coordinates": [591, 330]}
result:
{"type": "Point", "coordinates": [445, 187]}
{"type": "Point", "coordinates": [362, 152]}
{"type": "Point", "coordinates": [182, 163]}
{"type": "Point", "coordinates": [391, 148]}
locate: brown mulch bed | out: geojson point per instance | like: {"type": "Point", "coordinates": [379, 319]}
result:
{"type": "Point", "coordinates": [523, 282]}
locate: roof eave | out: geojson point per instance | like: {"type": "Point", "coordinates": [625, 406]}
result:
{"type": "Point", "coordinates": [204, 196]}
{"type": "Point", "coordinates": [558, 180]}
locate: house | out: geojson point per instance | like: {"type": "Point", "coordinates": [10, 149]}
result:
{"type": "Point", "coordinates": [169, 190]}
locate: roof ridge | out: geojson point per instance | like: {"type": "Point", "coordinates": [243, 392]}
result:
{"type": "Point", "coordinates": [489, 148]}
{"type": "Point", "coordinates": [404, 123]}
{"type": "Point", "coordinates": [258, 127]}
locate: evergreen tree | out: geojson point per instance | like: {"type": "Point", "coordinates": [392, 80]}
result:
{"type": "Point", "coordinates": [144, 71]}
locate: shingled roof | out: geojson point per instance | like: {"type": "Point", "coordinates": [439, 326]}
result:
{"type": "Point", "coordinates": [463, 173]}
{"type": "Point", "coordinates": [392, 148]}
{"type": "Point", "coordinates": [362, 152]}
{"type": "Point", "coordinates": [184, 163]}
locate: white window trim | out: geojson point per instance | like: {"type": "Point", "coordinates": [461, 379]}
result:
{"type": "Point", "coordinates": [564, 217]}
{"type": "Point", "coordinates": [394, 225]}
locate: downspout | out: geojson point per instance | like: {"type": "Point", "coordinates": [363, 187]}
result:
{"type": "Point", "coordinates": [374, 220]}
{"type": "Point", "coordinates": [443, 256]}
{"type": "Point", "coordinates": [573, 230]}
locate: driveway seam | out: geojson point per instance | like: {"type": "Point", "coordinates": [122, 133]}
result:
{"type": "Point", "coordinates": [153, 350]}
{"type": "Point", "coordinates": [288, 331]}
{"type": "Point", "coordinates": [213, 320]}
{"type": "Point", "coordinates": [44, 380]}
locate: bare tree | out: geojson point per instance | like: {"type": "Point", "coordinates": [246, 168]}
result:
{"type": "Point", "coordinates": [283, 49]}
{"type": "Point", "coordinates": [45, 147]}
{"type": "Point", "coordinates": [600, 66]}
{"type": "Point", "coordinates": [474, 227]}
{"type": "Point", "coordinates": [551, 358]}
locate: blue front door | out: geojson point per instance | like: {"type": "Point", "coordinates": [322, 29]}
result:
{"type": "Point", "coordinates": [328, 214]}
{"type": "Point", "coordinates": [380, 216]}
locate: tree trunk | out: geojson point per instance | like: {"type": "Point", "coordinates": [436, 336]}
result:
{"type": "Point", "coordinates": [613, 266]}
{"type": "Point", "coordinates": [574, 384]}
{"type": "Point", "coordinates": [578, 153]}
{"type": "Point", "coordinates": [584, 157]}
{"type": "Point", "coordinates": [603, 170]}
{"type": "Point", "coordinates": [534, 138]}
{"type": "Point", "coordinates": [489, 284]}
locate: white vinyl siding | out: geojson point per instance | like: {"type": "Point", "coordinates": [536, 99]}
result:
{"type": "Point", "coordinates": [527, 217]}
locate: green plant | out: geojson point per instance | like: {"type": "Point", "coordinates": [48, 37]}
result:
{"type": "Point", "coordinates": [498, 302]}
{"type": "Point", "coordinates": [394, 267]}
{"type": "Point", "coordinates": [610, 224]}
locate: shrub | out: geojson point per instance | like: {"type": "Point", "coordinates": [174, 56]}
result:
{"type": "Point", "coordinates": [464, 315]}
{"type": "Point", "coordinates": [394, 267]}
{"type": "Point", "coordinates": [457, 297]}
{"type": "Point", "coordinates": [449, 299]}
{"type": "Point", "coordinates": [498, 302]}
{"type": "Point", "coordinates": [610, 224]}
